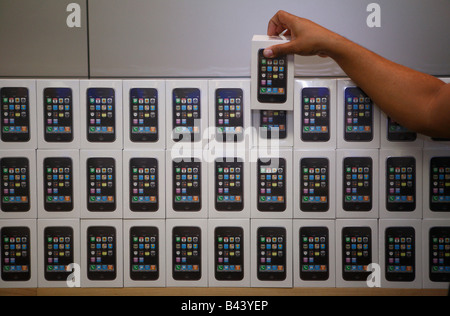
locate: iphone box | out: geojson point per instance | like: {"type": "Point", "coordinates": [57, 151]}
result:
{"type": "Point", "coordinates": [149, 268]}
{"type": "Point", "coordinates": [272, 78]}
{"type": "Point", "coordinates": [229, 184]}
{"type": "Point", "coordinates": [144, 110]}
{"type": "Point", "coordinates": [401, 253]}
{"type": "Point", "coordinates": [229, 252]}
{"type": "Point", "coordinates": [27, 275]}
{"type": "Point", "coordinates": [58, 115]}
{"type": "Point", "coordinates": [436, 172]}
{"type": "Point", "coordinates": [230, 122]}
{"type": "Point", "coordinates": [20, 201]}
{"type": "Point", "coordinates": [273, 128]}
{"type": "Point", "coordinates": [58, 176]}
{"type": "Point", "coordinates": [19, 131]}
{"type": "Point", "coordinates": [187, 114]}
{"type": "Point", "coordinates": [314, 253]}
{"type": "Point", "coordinates": [315, 114]}
{"type": "Point", "coordinates": [395, 136]}
{"type": "Point", "coordinates": [59, 247]}
{"type": "Point", "coordinates": [357, 186]}
{"type": "Point", "coordinates": [401, 183]}
{"type": "Point", "coordinates": [144, 184]}
{"type": "Point", "coordinates": [269, 268]}
{"type": "Point", "coordinates": [362, 235]}
{"type": "Point", "coordinates": [187, 268]}
{"type": "Point", "coordinates": [358, 118]}
{"type": "Point", "coordinates": [271, 182]}
{"type": "Point", "coordinates": [314, 184]}
{"type": "Point", "coordinates": [101, 114]}
{"type": "Point", "coordinates": [100, 184]}
{"type": "Point", "coordinates": [101, 269]}
{"type": "Point", "coordinates": [186, 185]}
{"type": "Point", "coordinates": [437, 143]}
{"type": "Point", "coordinates": [435, 240]}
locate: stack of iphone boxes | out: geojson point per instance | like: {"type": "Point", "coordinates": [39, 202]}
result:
{"type": "Point", "coordinates": [264, 182]}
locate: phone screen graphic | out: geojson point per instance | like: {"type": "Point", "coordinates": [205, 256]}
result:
{"type": "Point", "coordinates": [15, 121]}
{"type": "Point", "coordinates": [58, 115]}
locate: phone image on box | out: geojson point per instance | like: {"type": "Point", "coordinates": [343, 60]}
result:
{"type": "Point", "coordinates": [58, 184]}
{"type": "Point", "coordinates": [439, 255]}
{"type": "Point", "coordinates": [229, 184]}
{"type": "Point", "coordinates": [229, 115]}
{"type": "Point", "coordinates": [16, 254]}
{"type": "Point", "coordinates": [186, 115]}
{"type": "Point", "coordinates": [358, 184]}
{"type": "Point", "coordinates": [187, 185]}
{"type": "Point", "coordinates": [58, 250]}
{"type": "Point", "coordinates": [356, 253]}
{"type": "Point", "coordinates": [102, 253]}
{"type": "Point", "coordinates": [187, 254]}
{"type": "Point", "coordinates": [15, 184]}
{"type": "Point", "coordinates": [144, 253]}
{"type": "Point", "coordinates": [400, 254]}
{"type": "Point", "coordinates": [314, 254]}
{"type": "Point", "coordinates": [58, 115]}
{"type": "Point", "coordinates": [273, 124]}
{"type": "Point", "coordinates": [229, 253]}
{"type": "Point", "coordinates": [440, 184]}
{"type": "Point", "coordinates": [401, 184]}
{"type": "Point", "coordinates": [271, 253]}
{"type": "Point", "coordinates": [15, 122]}
{"type": "Point", "coordinates": [398, 133]}
{"type": "Point", "coordinates": [272, 185]}
{"type": "Point", "coordinates": [101, 185]}
{"type": "Point", "coordinates": [358, 116]}
{"type": "Point", "coordinates": [144, 118]}
{"type": "Point", "coordinates": [315, 189]}
{"type": "Point", "coordinates": [315, 115]}
{"type": "Point", "coordinates": [272, 79]}
{"type": "Point", "coordinates": [144, 196]}
{"type": "Point", "coordinates": [101, 115]}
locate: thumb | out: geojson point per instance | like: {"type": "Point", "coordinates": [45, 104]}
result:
{"type": "Point", "coordinates": [279, 50]}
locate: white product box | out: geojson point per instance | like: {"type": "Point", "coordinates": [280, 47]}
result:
{"type": "Point", "coordinates": [102, 90]}
{"type": "Point", "coordinates": [21, 87]}
{"type": "Point", "coordinates": [314, 160]}
{"type": "Point", "coordinates": [308, 89]}
{"type": "Point", "coordinates": [261, 42]}
{"type": "Point", "coordinates": [134, 159]}
{"type": "Point", "coordinates": [58, 228]}
{"type": "Point", "coordinates": [265, 229]}
{"type": "Point", "coordinates": [187, 206]}
{"type": "Point", "coordinates": [412, 157]}
{"type": "Point", "coordinates": [314, 229]}
{"type": "Point", "coordinates": [433, 278]}
{"type": "Point", "coordinates": [191, 229]}
{"type": "Point", "coordinates": [226, 228]}
{"type": "Point", "coordinates": [183, 91]}
{"type": "Point", "coordinates": [372, 156]}
{"type": "Point", "coordinates": [111, 232]}
{"type": "Point", "coordinates": [390, 228]}
{"type": "Point", "coordinates": [394, 141]}
{"type": "Point", "coordinates": [240, 206]}
{"type": "Point", "coordinates": [67, 90]}
{"type": "Point", "coordinates": [266, 159]}
{"type": "Point", "coordinates": [435, 158]}
{"type": "Point", "coordinates": [106, 159]}
{"type": "Point", "coordinates": [155, 96]}
{"type": "Point", "coordinates": [21, 228]}
{"type": "Point", "coordinates": [263, 137]}
{"type": "Point", "coordinates": [26, 157]}
{"type": "Point", "coordinates": [356, 228]}
{"type": "Point", "coordinates": [64, 159]}
{"type": "Point", "coordinates": [145, 229]}
{"type": "Point", "coordinates": [349, 142]}
{"type": "Point", "coordinates": [234, 93]}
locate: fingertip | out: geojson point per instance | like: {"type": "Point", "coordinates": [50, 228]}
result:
{"type": "Point", "coordinates": [268, 53]}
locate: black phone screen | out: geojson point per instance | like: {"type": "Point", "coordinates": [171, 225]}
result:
{"type": "Point", "coordinates": [398, 133]}
{"type": "Point", "coordinates": [401, 184]}
{"type": "Point", "coordinates": [440, 184]}
{"type": "Point", "coordinates": [271, 253]}
{"type": "Point", "coordinates": [229, 184]}
{"type": "Point", "coordinates": [58, 115]}
{"type": "Point", "coordinates": [102, 256]}
{"type": "Point", "coordinates": [358, 116]}
{"type": "Point", "coordinates": [272, 185]}
{"type": "Point", "coordinates": [187, 175]}
{"type": "Point", "coordinates": [144, 115]}
{"type": "Point", "coordinates": [101, 185]}
{"type": "Point", "coordinates": [439, 255]}
{"type": "Point", "coordinates": [186, 114]}
{"type": "Point", "coordinates": [144, 195]}
{"type": "Point", "coordinates": [15, 185]}
{"type": "Point", "coordinates": [229, 115]}
{"type": "Point", "coordinates": [273, 124]}
{"type": "Point", "coordinates": [357, 253]}
{"type": "Point", "coordinates": [58, 184]}
{"type": "Point", "coordinates": [229, 253]}
{"type": "Point", "coordinates": [101, 118]}
{"type": "Point", "coordinates": [314, 253]}
{"type": "Point", "coordinates": [187, 256]}
{"type": "Point", "coordinates": [58, 253]}
{"type": "Point", "coordinates": [15, 121]}
{"type": "Point", "coordinates": [272, 79]}
{"type": "Point", "coordinates": [400, 254]}
{"type": "Point", "coordinates": [314, 190]}
{"type": "Point", "coordinates": [16, 254]}
{"type": "Point", "coordinates": [358, 184]}
{"type": "Point", "coordinates": [144, 253]}
{"type": "Point", "coordinates": [315, 115]}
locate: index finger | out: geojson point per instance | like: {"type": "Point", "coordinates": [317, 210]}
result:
{"type": "Point", "coordinates": [279, 23]}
